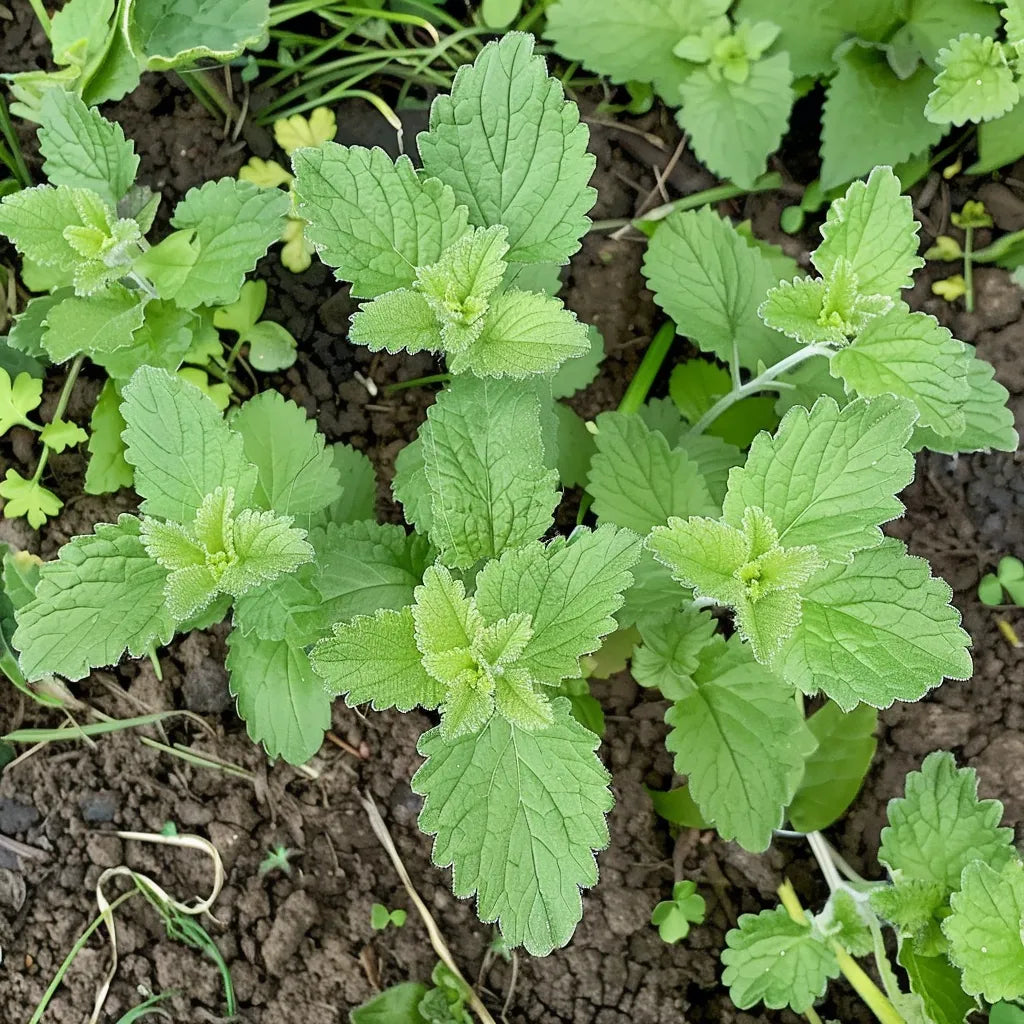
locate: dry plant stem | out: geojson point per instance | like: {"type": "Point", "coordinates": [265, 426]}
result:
{"type": "Point", "coordinates": [188, 842]}
{"type": "Point", "coordinates": [380, 830]}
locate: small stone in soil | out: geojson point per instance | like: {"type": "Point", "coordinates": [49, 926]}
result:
{"type": "Point", "coordinates": [99, 808]}
{"type": "Point", "coordinates": [296, 916]}
{"type": "Point", "coordinates": [16, 817]}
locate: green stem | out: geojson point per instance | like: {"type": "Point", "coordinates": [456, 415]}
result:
{"type": "Point", "coordinates": [650, 365]}
{"type": "Point", "coordinates": [416, 382]}
{"type": "Point", "coordinates": [762, 382]}
{"type": "Point", "coordinates": [75, 950]}
{"type": "Point", "coordinates": [868, 991]}
{"type": "Point", "coordinates": [40, 12]}
{"type": "Point", "coordinates": [969, 268]}
{"type": "Point", "coordinates": [716, 194]}
{"type": "Point", "coordinates": [58, 413]}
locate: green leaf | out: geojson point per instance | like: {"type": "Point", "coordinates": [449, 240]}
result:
{"type": "Point", "coordinates": [741, 740]}
{"type": "Point", "coordinates": [25, 334]}
{"type": "Point", "coordinates": [1000, 142]}
{"type": "Point", "coordinates": [676, 806]}
{"type": "Point", "coordinates": [17, 399]}
{"type": "Point", "coordinates": [168, 264]}
{"type": "Point", "coordinates": [859, 462]}
{"type": "Point", "coordinates": [295, 472]}
{"type": "Point", "coordinates": [930, 23]}
{"type": "Point", "coordinates": [514, 151]}
{"type": "Point", "coordinates": [98, 324]}
{"type": "Point", "coordinates": [180, 446]}
{"type": "Point", "coordinates": [364, 566]}
{"type": "Point", "coordinates": [937, 982]}
{"type": "Point", "coordinates": [941, 826]}
{"type": "Point", "coordinates": [359, 490]}
{"type": "Point", "coordinates": [976, 82]}
{"type": "Point", "coordinates": [271, 347]}
{"type": "Point", "coordinates": [913, 355]}
{"type": "Point", "coordinates": [673, 917]}
{"type": "Point", "coordinates": [637, 481]}
{"type": "Point", "coordinates": [175, 33]}
{"type": "Point", "coordinates": [988, 423]}
{"type": "Point", "coordinates": [28, 498]}
{"type": "Point", "coordinates": [877, 630]}
{"type": "Point", "coordinates": [287, 608]}
{"type": "Point", "coordinates": [834, 773]}
{"type": "Point", "coordinates": [734, 126]}
{"type": "Point", "coordinates": [78, 31]}
{"type": "Point", "coordinates": [575, 447]}
{"type": "Point", "coordinates": [984, 930]}
{"type": "Point", "coordinates": [398, 1004]}
{"type": "Point", "coordinates": [630, 44]}
{"type": "Point", "coordinates": [523, 333]}
{"type": "Point", "coordinates": [772, 959]}
{"type": "Point", "coordinates": [897, 128]}
{"type": "Point", "coordinates": [234, 223]}
{"type": "Point", "coordinates": [570, 588]}
{"type": "Point", "coordinates": [101, 596]}
{"type": "Point", "coordinates": [671, 651]}
{"type": "Point", "coordinates": [872, 227]}
{"type": "Point", "coordinates": [710, 281]}
{"type": "Point", "coordinates": [579, 372]}
{"type": "Point", "coordinates": [375, 659]}
{"type": "Point", "coordinates": [374, 220]}
{"type": "Point", "coordinates": [164, 339]}
{"type": "Point", "coordinates": [35, 220]}
{"type": "Point", "coordinates": [82, 149]}
{"type": "Point", "coordinates": [490, 489]}
{"type": "Point", "coordinates": [843, 921]}
{"type": "Point", "coordinates": [281, 700]}
{"type": "Point", "coordinates": [61, 434]}
{"type": "Point", "coordinates": [915, 909]}
{"type": "Point", "coordinates": [518, 815]}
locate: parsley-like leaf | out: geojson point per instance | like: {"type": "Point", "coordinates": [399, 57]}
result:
{"type": "Point", "coordinates": [102, 595]}
{"type": "Point", "coordinates": [180, 446]}
{"type": "Point", "coordinates": [490, 488]}
{"type": "Point", "coordinates": [877, 630]}
{"type": "Point", "coordinates": [514, 151]}
{"type": "Point", "coordinates": [773, 959]}
{"type": "Point", "coordinates": [17, 399]}
{"type": "Point", "coordinates": [518, 815]}
{"type": "Point", "coordinates": [940, 825]}
{"type": "Point", "coordinates": [374, 220]}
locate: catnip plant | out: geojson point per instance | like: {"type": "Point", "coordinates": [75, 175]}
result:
{"type": "Point", "coordinates": [120, 301]}
{"type": "Point", "coordinates": [734, 71]}
{"type": "Point", "coordinates": [954, 899]}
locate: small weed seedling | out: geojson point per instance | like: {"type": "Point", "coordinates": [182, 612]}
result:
{"type": "Point", "coordinates": [381, 917]}
{"type": "Point", "coordinates": [673, 917]}
{"type": "Point", "coordinates": [118, 300]}
{"type": "Point", "coordinates": [953, 900]}
{"type": "Point", "coordinates": [444, 1001]}
{"type": "Point", "coordinates": [1006, 582]}
{"type": "Point", "coordinates": [278, 859]}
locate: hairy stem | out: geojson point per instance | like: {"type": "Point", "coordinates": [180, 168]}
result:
{"type": "Point", "coordinates": [762, 382]}
{"type": "Point", "coordinates": [819, 847]}
{"type": "Point", "coordinates": [868, 991]}
{"type": "Point", "coordinates": [58, 413]}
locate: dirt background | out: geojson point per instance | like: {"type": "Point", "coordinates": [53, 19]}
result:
{"type": "Point", "coordinates": [300, 946]}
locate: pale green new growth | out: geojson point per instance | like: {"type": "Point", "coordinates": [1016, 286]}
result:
{"type": "Point", "coordinates": [976, 82]}
{"type": "Point", "coordinates": [518, 815]}
{"type": "Point", "coordinates": [514, 151]}
{"type": "Point", "coordinates": [940, 826]}
{"type": "Point", "coordinates": [985, 927]}
{"type": "Point", "coordinates": [772, 959]}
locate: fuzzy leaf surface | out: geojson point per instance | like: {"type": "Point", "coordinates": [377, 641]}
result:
{"type": "Point", "coordinates": [710, 281]}
{"type": "Point", "coordinates": [940, 825]}
{"type": "Point", "coordinates": [102, 595]}
{"type": "Point", "coordinates": [484, 464]}
{"type": "Point", "coordinates": [637, 481]}
{"type": "Point", "coordinates": [35, 219]}
{"type": "Point", "coordinates": [95, 325]}
{"type": "Point", "coordinates": [514, 151]}
{"type": "Point", "coordinates": [569, 588]}
{"type": "Point", "coordinates": [372, 219]}
{"type": "Point", "coordinates": [235, 223]}
{"type": "Point", "coordinates": [518, 815]}
{"type": "Point", "coordinates": [278, 695]}
{"type": "Point", "coordinates": [877, 630]}
{"type": "Point", "coordinates": [180, 446]}
{"type": "Point", "coordinates": [975, 83]}
{"type": "Point", "coordinates": [828, 477]}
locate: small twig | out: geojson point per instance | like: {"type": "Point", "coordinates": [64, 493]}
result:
{"type": "Point", "coordinates": [22, 849]}
{"type": "Point", "coordinates": [347, 747]}
{"type": "Point", "coordinates": [436, 938]}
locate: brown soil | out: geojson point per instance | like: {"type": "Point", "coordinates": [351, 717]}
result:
{"type": "Point", "coordinates": [299, 946]}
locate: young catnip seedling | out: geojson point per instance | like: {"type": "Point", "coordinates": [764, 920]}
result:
{"type": "Point", "coordinates": [116, 299]}
{"type": "Point", "coordinates": [954, 899]}
{"type": "Point", "coordinates": [249, 517]}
